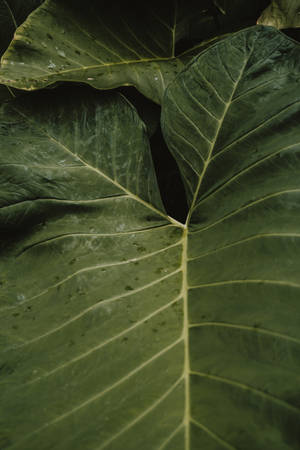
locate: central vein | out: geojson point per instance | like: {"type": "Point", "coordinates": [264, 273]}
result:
{"type": "Point", "coordinates": [187, 368]}
{"type": "Point", "coordinates": [212, 145]}
{"type": "Point", "coordinates": [186, 341]}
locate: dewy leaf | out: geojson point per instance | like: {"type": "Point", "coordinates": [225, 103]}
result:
{"type": "Point", "coordinates": [121, 43]}
{"type": "Point", "coordinates": [122, 329]}
{"type": "Point", "coordinates": [91, 304]}
{"type": "Point", "coordinates": [281, 14]}
{"type": "Point", "coordinates": [117, 43]}
{"type": "Point", "coordinates": [231, 120]}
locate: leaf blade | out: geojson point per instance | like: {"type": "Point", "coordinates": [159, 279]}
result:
{"type": "Point", "coordinates": [243, 236]}
{"type": "Point", "coordinates": [111, 279]}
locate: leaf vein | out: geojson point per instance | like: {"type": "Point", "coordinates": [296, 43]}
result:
{"type": "Point", "coordinates": [144, 414]}
{"type": "Point", "coordinates": [142, 44]}
{"type": "Point", "coordinates": [212, 434]}
{"type": "Point", "coordinates": [241, 138]}
{"type": "Point", "coordinates": [198, 102]}
{"type": "Point", "coordinates": [105, 391]}
{"type": "Point", "coordinates": [170, 437]}
{"type": "Point", "coordinates": [248, 388]}
{"type": "Point", "coordinates": [242, 241]}
{"type": "Point", "coordinates": [246, 281]}
{"type": "Point", "coordinates": [189, 144]}
{"type": "Point", "coordinates": [100, 44]}
{"type": "Point", "coordinates": [250, 205]}
{"type": "Point", "coordinates": [247, 328]}
{"type": "Point", "coordinates": [83, 234]}
{"type": "Point", "coordinates": [190, 120]}
{"type": "Point", "coordinates": [106, 342]}
{"type": "Point", "coordinates": [98, 304]}
{"type": "Point", "coordinates": [245, 170]}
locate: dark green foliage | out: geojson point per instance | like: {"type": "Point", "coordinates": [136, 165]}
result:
{"type": "Point", "coordinates": [149, 228]}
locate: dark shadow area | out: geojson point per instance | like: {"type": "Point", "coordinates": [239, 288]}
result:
{"type": "Point", "coordinates": [293, 33]}
{"type": "Point", "coordinates": [148, 111]}
{"type": "Point", "coordinates": [169, 178]}
{"type": "Point", "coordinates": [219, 18]}
{"type": "Point", "coordinates": [167, 172]}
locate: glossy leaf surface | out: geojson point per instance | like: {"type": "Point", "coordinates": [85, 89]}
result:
{"type": "Point", "coordinates": [119, 44]}
{"type": "Point", "coordinates": [122, 328]}
{"type": "Point", "coordinates": [231, 119]}
{"type": "Point", "coordinates": [90, 269]}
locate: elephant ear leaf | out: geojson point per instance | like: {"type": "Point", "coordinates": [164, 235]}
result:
{"type": "Point", "coordinates": [231, 119]}
{"type": "Point", "coordinates": [117, 43]}
{"type": "Point", "coordinates": [122, 328]}
{"type": "Point", "coordinates": [90, 276]}
{"type": "Point", "coordinates": [121, 43]}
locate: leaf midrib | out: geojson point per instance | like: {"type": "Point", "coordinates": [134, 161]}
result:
{"type": "Point", "coordinates": [187, 369]}
{"type": "Point", "coordinates": [185, 333]}
{"type": "Point", "coordinates": [212, 145]}
{"type": "Point", "coordinates": [6, 62]}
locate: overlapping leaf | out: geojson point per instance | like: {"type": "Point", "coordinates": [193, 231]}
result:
{"type": "Point", "coordinates": [121, 43]}
{"type": "Point", "coordinates": [232, 121]}
{"type": "Point", "coordinates": [281, 14]}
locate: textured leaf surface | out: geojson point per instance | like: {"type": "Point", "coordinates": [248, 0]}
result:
{"type": "Point", "coordinates": [232, 121]}
{"type": "Point", "coordinates": [90, 278]}
{"type": "Point", "coordinates": [121, 43]}
{"type": "Point", "coordinates": [117, 44]}
{"type": "Point", "coordinates": [121, 328]}
{"type": "Point", "coordinates": [281, 14]}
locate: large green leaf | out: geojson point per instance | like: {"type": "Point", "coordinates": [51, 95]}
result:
{"type": "Point", "coordinates": [123, 329]}
{"type": "Point", "coordinates": [231, 120]}
{"type": "Point", "coordinates": [121, 43]}
{"type": "Point", "coordinates": [90, 275]}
